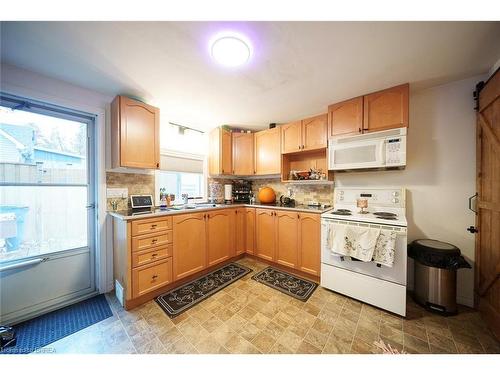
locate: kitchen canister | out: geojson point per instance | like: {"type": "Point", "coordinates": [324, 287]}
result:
{"type": "Point", "coordinates": [215, 193]}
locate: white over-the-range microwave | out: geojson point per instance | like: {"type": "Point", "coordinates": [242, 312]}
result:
{"type": "Point", "coordinates": [383, 149]}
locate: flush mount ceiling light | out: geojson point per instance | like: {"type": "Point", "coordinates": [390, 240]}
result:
{"type": "Point", "coordinates": [230, 50]}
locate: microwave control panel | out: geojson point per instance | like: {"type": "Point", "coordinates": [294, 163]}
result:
{"type": "Point", "coordinates": [394, 151]}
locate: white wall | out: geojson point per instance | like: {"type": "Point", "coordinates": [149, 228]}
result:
{"type": "Point", "coordinates": [17, 81]}
{"type": "Point", "coordinates": [440, 172]}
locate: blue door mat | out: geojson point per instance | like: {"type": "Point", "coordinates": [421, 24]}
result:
{"type": "Point", "coordinates": [38, 332]}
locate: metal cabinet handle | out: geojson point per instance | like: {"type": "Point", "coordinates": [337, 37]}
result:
{"type": "Point", "coordinates": [154, 240]}
{"type": "Point", "coordinates": [154, 277]}
{"type": "Point", "coordinates": [154, 255]}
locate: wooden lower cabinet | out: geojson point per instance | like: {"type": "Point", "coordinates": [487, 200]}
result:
{"type": "Point", "coordinates": [309, 243]}
{"type": "Point", "coordinates": [220, 236]}
{"type": "Point", "coordinates": [250, 230]}
{"type": "Point", "coordinates": [189, 252]}
{"type": "Point", "coordinates": [147, 278]}
{"type": "Point", "coordinates": [265, 233]}
{"type": "Point", "coordinates": [286, 223]}
{"type": "Point", "coordinates": [240, 230]}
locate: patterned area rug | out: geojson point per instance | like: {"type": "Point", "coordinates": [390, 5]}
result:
{"type": "Point", "coordinates": [287, 283]}
{"type": "Point", "coordinates": [186, 296]}
{"type": "Point", "coordinates": [39, 332]}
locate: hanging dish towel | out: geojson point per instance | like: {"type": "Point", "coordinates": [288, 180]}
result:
{"type": "Point", "coordinates": [352, 241]}
{"type": "Point", "coordinates": [385, 248]}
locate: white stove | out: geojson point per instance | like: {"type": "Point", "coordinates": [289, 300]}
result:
{"type": "Point", "coordinates": [372, 283]}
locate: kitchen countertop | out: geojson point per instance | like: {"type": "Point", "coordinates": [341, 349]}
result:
{"type": "Point", "coordinates": [133, 214]}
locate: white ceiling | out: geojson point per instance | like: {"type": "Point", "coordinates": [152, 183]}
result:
{"type": "Point", "coordinates": [297, 68]}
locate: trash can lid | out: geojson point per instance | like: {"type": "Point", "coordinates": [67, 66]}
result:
{"type": "Point", "coordinates": [436, 247]}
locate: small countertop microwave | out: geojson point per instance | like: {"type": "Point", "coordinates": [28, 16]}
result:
{"type": "Point", "coordinates": [381, 150]}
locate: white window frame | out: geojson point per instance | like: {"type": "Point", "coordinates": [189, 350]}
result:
{"type": "Point", "coordinates": [184, 155]}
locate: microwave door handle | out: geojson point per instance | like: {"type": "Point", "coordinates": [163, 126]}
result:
{"type": "Point", "coordinates": [381, 152]}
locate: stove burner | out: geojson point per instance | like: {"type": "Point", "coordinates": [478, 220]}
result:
{"type": "Point", "coordinates": [389, 214]}
{"type": "Point", "coordinates": [387, 217]}
{"type": "Point", "coordinates": [342, 212]}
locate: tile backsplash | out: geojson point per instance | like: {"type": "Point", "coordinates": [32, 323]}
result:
{"type": "Point", "coordinates": [135, 183]}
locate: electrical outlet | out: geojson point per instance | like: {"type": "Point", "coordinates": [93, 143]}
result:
{"type": "Point", "coordinates": [117, 193]}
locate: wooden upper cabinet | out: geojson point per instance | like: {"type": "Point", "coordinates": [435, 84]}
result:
{"type": "Point", "coordinates": [250, 230]}
{"type": "Point", "coordinates": [345, 117]}
{"type": "Point", "coordinates": [386, 109]}
{"type": "Point", "coordinates": [220, 236]}
{"type": "Point", "coordinates": [268, 152]}
{"type": "Point", "coordinates": [291, 137]}
{"type": "Point", "coordinates": [135, 134]}
{"type": "Point", "coordinates": [309, 243]}
{"type": "Point", "coordinates": [189, 252]}
{"type": "Point", "coordinates": [314, 132]}
{"type": "Point", "coordinates": [265, 234]}
{"type": "Point", "coordinates": [243, 149]}
{"type": "Point", "coordinates": [287, 238]}
{"type": "Point", "coordinates": [220, 152]}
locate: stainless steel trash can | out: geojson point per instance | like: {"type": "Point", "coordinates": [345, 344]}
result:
{"type": "Point", "coordinates": [436, 265]}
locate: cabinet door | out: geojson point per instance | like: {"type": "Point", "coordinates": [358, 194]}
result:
{"type": "Point", "coordinates": [250, 230]}
{"type": "Point", "coordinates": [243, 160]}
{"type": "Point", "coordinates": [309, 248]}
{"type": "Point", "coordinates": [386, 109]}
{"type": "Point", "coordinates": [314, 132]}
{"type": "Point", "coordinates": [220, 152]}
{"type": "Point", "coordinates": [240, 230]}
{"type": "Point", "coordinates": [220, 236]}
{"type": "Point", "coordinates": [291, 137]}
{"type": "Point", "coordinates": [189, 253]}
{"type": "Point", "coordinates": [346, 117]}
{"type": "Point", "coordinates": [265, 234]}
{"type": "Point", "coordinates": [268, 152]}
{"type": "Point", "coordinates": [287, 238]}
{"type": "Point", "coordinates": [138, 130]}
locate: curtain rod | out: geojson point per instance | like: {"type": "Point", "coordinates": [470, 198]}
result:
{"type": "Point", "coordinates": [186, 127]}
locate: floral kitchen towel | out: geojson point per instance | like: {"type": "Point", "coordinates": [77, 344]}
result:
{"type": "Point", "coordinates": [356, 242]}
{"type": "Point", "coordinates": [385, 248]}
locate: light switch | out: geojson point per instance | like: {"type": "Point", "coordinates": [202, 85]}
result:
{"type": "Point", "coordinates": [117, 193]}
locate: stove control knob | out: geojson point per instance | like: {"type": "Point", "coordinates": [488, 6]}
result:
{"type": "Point", "coordinates": [395, 200]}
{"type": "Point", "coordinates": [395, 193]}
{"type": "Point", "coordinates": [341, 198]}
{"type": "Point", "coordinates": [341, 192]}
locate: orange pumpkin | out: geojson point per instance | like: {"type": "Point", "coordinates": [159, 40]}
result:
{"type": "Point", "coordinates": [267, 195]}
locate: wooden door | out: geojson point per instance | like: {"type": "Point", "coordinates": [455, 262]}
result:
{"type": "Point", "coordinates": [287, 238]}
{"type": "Point", "coordinates": [268, 152]}
{"type": "Point", "coordinates": [314, 132]}
{"type": "Point", "coordinates": [189, 253]}
{"type": "Point", "coordinates": [240, 230]}
{"type": "Point", "coordinates": [487, 258]}
{"type": "Point", "coordinates": [135, 134]}
{"type": "Point", "coordinates": [386, 109]}
{"type": "Point", "coordinates": [346, 117]}
{"type": "Point", "coordinates": [243, 160]}
{"type": "Point", "coordinates": [250, 230]}
{"type": "Point", "coordinates": [309, 243]}
{"type": "Point", "coordinates": [265, 236]}
{"type": "Point", "coordinates": [291, 137]}
{"type": "Point", "coordinates": [220, 152]}
{"type": "Point", "coordinates": [220, 236]}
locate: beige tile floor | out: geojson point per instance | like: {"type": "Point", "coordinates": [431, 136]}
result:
{"type": "Point", "coordinates": [248, 317]}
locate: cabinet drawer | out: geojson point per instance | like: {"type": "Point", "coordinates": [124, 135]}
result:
{"type": "Point", "coordinates": [147, 226]}
{"type": "Point", "coordinates": [146, 242]}
{"type": "Point", "coordinates": [150, 277]}
{"type": "Point", "coordinates": [140, 258]}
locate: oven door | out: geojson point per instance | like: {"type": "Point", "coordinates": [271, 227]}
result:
{"type": "Point", "coordinates": [396, 273]}
{"type": "Point", "coordinates": [356, 155]}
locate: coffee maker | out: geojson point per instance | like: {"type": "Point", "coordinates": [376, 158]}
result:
{"type": "Point", "coordinates": [242, 191]}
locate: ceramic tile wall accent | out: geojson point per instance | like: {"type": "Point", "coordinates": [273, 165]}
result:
{"type": "Point", "coordinates": [135, 183]}
{"type": "Point", "coordinates": [301, 193]}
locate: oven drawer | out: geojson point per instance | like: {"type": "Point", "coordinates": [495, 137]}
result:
{"type": "Point", "coordinates": [140, 258]}
{"type": "Point", "coordinates": [148, 226]}
{"type": "Point", "coordinates": [151, 277]}
{"type": "Point", "coordinates": [148, 241]}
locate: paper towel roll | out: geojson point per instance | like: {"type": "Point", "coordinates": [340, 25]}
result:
{"type": "Point", "coordinates": [228, 192]}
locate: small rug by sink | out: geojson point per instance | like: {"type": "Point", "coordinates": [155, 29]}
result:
{"type": "Point", "coordinates": [287, 283]}
{"type": "Point", "coordinates": [38, 332]}
{"type": "Point", "coordinates": [186, 296]}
